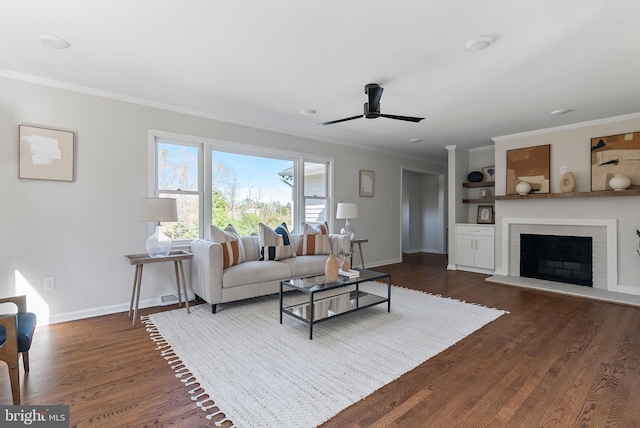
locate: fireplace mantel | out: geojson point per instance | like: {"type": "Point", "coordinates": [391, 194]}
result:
{"type": "Point", "coordinates": [594, 194]}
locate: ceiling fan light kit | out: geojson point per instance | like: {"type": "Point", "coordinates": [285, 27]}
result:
{"type": "Point", "coordinates": [372, 107]}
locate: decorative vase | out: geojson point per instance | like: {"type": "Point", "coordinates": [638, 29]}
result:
{"type": "Point", "coordinates": [620, 182]}
{"type": "Point", "coordinates": [523, 188]}
{"type": "Point", "coordinates": [475, 176]}
{"type": "Point", "coordinates": [568, 182]}
{"type": "Point", "coordinates": [331, 268]}
{"type": "Point", "coordinates": [345, 266]}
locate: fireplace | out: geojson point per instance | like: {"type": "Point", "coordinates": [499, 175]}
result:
{"type": "Point", "coordinates": [602, 232]}
{"type": "Point", "coordinates": [565, 259]}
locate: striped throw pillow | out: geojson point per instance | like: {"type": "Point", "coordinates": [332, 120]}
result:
{"type": "Point", "coordinates": [232, 248]}
{"type": "Point", "coordinates": [275, 244]}
{"type": "Point", "coordinates": [314, 240]}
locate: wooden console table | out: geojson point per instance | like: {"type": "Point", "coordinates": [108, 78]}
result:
{"type": "Point", "coordinates": [358, 242]}
{"type": "Point", "coordinates": [139, 260]}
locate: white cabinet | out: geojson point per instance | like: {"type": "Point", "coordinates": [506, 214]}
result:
{"type": "Point", "coordinates": [475, 247]}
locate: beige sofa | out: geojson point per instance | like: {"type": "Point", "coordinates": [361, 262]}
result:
{"type": "Point", "coordinates": [252, 278]}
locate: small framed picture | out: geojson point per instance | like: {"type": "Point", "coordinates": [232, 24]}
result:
{"type": "Point", "coordinates": [485, 214]}
{"type": "Point", "coordinates": [367, 182]}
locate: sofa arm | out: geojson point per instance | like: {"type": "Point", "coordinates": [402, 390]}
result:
{"type": "Point", "coordinates": [339, 242]}
{"type": "Point", "coordinates": [206, 270]}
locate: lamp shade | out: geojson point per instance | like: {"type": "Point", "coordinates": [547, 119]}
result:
{"type": "Point", "coordinates": [347, 210]}
{"type": "Point", "coordinates": [158, 209]}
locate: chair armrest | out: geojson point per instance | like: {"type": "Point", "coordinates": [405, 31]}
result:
{"type": "Point", "coordinates": [206, 270]}
{"type": "Point", "coordinates": [19, 301]}
{"type": "Point", "coordinates": [339, 242]}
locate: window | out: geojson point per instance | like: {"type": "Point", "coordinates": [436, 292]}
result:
{"type": "Point", "coordinates": [246, 184]}
{"type": "Point", "coordinates": [249, 189]}
{"type": "Point", "coordinates": [178, 171]}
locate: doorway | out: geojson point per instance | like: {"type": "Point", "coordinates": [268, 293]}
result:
{"type": "Point", "coordinates": [424, 216]}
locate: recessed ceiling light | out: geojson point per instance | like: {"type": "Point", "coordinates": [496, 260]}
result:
{"type": "Point", "coordinates": [479, 43]}
{"type": "Point", "coordinates": [560, 111]}
{"type": "Point", "coordinates": [308, 112]}
{"type": "Point", "coordinates": [415, 140]}
{"type": "Point", "coordinates": [54, 41]}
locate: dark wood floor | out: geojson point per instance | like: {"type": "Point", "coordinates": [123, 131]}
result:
{"type": "Point", "coordinates": [554, 361]}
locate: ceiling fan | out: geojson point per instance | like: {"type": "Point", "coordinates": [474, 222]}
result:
{"type": "Point", "coordinates": [372, 108]}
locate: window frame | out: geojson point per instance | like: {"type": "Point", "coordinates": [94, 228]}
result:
{"type": "Point", "coordinates": [208, 145]}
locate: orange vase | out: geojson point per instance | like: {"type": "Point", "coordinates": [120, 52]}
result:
{"type": "Point", "coordinates": [331, 268]}
{"type": "Point", "coordinates": [345, 266]}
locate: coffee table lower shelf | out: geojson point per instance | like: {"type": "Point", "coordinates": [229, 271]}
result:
{"type": "Point", "coordinates": [324, 300]}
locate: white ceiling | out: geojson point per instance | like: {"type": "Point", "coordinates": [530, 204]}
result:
{"type": "Point", "coordinates": [260, 63]}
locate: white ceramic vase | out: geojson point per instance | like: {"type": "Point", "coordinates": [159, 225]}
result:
{"type": "Point", "coordinates": [523, 188]}
{"type": "Point", "coordinates": [620, 182]}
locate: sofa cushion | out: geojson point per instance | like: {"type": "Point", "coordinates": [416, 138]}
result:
{"type": "Point", "coordinates": [314, 240]}
{"type": "Point", "coordinates": [254, 272]}
{"type": "Point", "coordinates": [232, 249]}
{"type": "Point", "coordinates": [307, 265]}
{"type": "Point", "coordinates": [275, 244]}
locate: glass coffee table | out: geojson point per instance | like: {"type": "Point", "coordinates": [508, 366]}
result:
{"type": "Point", "coordinates": [322, 300]}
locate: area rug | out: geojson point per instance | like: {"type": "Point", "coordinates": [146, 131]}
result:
{"type": "Point", "coordinates": [242, 365]}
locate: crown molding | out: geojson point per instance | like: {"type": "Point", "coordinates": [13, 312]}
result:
{"type": "Point", "coordinates": [570, 127]}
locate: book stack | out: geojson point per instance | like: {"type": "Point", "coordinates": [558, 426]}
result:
{"type": "Point", "coordinates": [349, 273]}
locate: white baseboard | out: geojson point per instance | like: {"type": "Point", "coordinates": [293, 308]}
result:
{"type": "Point", "coordinates": [104, 310]}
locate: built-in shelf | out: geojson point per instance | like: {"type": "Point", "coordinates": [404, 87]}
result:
{"type": "Point", "coordinates": [596, 194]}
{"type": "Point", "coordinates": [479, 184]}
{"type": "Point", "coordinates": [488, 200]}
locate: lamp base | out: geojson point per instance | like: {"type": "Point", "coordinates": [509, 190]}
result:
{"type": "Point", "coordinates": [348, 230]}
{"type": "Point", "coordinates": [158, 244]}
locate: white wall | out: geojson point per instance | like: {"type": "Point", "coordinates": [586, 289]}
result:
{"type": "Point", "coordinates": [570, 147]}
{"type": "Point", "coordinates": [78, 232]}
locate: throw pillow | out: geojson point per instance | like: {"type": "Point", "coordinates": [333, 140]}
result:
{"type": "Point", "coordinates": [232, 248]}
{"type": "Point", "coordinates": [275, 244]}
{"type": "Point", "coordinates": [314, 240]}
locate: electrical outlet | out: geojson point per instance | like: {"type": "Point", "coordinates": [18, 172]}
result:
{"type": "Point", "coordinates": [563, 169]}
{"type": "Point", "coordinates": [49, 284]}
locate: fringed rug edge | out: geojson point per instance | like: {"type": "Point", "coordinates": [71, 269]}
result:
{"type": "Point", "coordinates": [198, 394]}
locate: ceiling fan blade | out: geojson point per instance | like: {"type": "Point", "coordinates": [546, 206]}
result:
{"type": "Point", "coordinates": [375, 93]}
{"type": "Point", "coordinates": [342, 120]}
{"type": "Point", "coordinates": [406, 118]}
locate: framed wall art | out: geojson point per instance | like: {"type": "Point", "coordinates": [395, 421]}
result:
{"type": "Point", "coordinates": [485, 214]}
{"type": "Point", "coordinates": [615, 155]}
{"type": "Point", "coordinates": [489, 173]}
{"type": "Point", "coordinates": [367, 182]}
{"type": "Point", "coordinates": [46, 154]}
{"type": "Point", "coordinates": [531, 165]}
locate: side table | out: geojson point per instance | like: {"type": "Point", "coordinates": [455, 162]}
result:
{"type": "Point", "coordinates": [358, 242]}
{"type": "Point", "coordinates": [139, 260]}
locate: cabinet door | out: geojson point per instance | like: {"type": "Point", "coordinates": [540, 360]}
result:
{"type": "Point", "coordinates": [465, 250]}
{"type": "Point", "coordinates": [484, 252]}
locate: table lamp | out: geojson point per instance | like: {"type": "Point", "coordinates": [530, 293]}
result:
{"type": "Point", "coordinates": [347, 211]}
{"type": "Point", "coordinates": [158, 210]}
